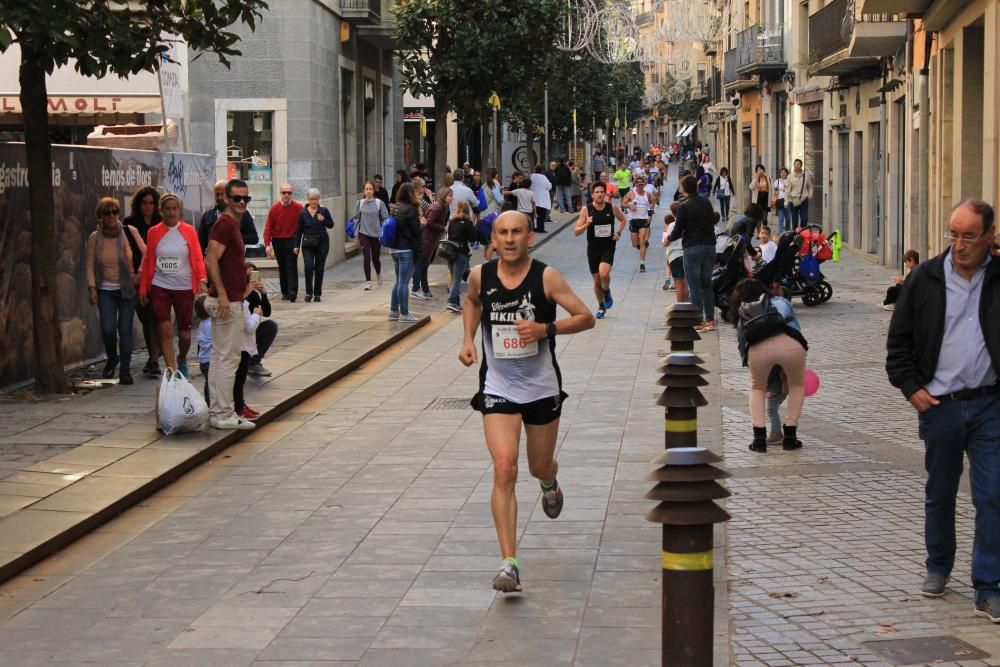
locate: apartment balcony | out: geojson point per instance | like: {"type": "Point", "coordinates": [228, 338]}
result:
{"type": "Point", "coordinates": [895, 6]}
{"type": "Point", "coordinates": [361, 12]}
{"type": "Point", "coordinates": [732, 79]}
{"type": "Point", "coordinates": [381, 32]}
{"type": "Point", "coordinates": [760, 51]}
{"type": "Point", "coordinates": [840, 46]}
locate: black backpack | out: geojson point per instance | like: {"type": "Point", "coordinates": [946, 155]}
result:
{"type": "Point", "coordinates": [761, 320]}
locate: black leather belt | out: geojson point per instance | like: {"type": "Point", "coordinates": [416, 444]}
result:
{"type": "Point", "coordinates": [969, 394]}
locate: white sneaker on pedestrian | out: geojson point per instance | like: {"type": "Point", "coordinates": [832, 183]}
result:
{"type": "Point", "coordinates": [368, 285]}
{"type": "Point", "coordinates": [393, 315]}
{"type": "Point", "coordinates": [454, 307]}
{"type": "Point", "coordinates": [889, 306]}
{"type": "Point", "coordinates": [232, 423]}
{"type": "Point", "coordinates": [415, 294]}
{"type": "Point", "coordinates": [378, 279]}
{"type": "Point", "coordinates": [409, 317]}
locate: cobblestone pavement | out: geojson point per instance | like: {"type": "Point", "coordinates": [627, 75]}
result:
{"type": "Point", "coordinates": [826, 544]}
{"type": "Point", "coordinates": [356, 529]}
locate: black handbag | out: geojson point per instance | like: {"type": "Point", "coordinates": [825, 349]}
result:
{"type": "Point", "coordinates": [448, 250]}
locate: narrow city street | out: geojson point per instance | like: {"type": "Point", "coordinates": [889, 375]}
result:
{"type": "Point", "coordinates": [356, 529]}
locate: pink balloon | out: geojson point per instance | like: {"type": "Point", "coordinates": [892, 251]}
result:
{"type": "Point", "coordinates": [811, 382]}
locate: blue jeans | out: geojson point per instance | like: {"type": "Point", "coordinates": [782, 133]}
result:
{"type": "Point", "coordinates": [565, 198]}
{"type": "Point", "coordinates": [116, 315]}
{"type": "Point", "coordinates": [800, 213]}
{"type": "Point", "coordinates": [698, 263]}
{"type": "Point", "coordinates": [402, 261]}
{"type": "Point", "coordinates": [458, 269]}
{"type": "Point", "coordinates": [950, 431]}
{"type": "Point", "coordinates": [784, 218]}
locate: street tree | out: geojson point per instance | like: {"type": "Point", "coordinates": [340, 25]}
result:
{"type": "Point", "coordinates": [101, 38]}
{"type": "Point", "coordinates": [460, 52]}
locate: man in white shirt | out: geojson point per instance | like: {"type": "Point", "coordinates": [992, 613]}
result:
{"type": "Point", "coordinates": [460, 191]}
{"type": "Point", "coordinates": [541, 188]}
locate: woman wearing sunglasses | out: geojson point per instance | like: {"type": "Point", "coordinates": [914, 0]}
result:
{"type": "Point", "coordinates": [111, 281]}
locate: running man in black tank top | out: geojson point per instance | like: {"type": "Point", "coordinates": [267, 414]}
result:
{"type": "Point", "coordinates": [598, 220]}
{"type": "Point", "coordinates": [513, 300]}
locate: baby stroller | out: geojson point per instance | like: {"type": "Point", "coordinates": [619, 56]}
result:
{"type": "Point", "coordinates": [796, 266]}
{"type": "Point", "coordinates": [732, 269]}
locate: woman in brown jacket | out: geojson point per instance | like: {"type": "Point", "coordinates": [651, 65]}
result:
{"type": "Point", "coordinates": [435, 225]}
{"type": "Point", "coordinates": [111, 279]}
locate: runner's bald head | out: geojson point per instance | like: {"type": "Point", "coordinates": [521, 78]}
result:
{"type": "Point", "coordinates": [513, 218]}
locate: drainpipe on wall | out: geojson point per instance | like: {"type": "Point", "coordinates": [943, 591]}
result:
{"type": "Point", "coordinates": [883, 186]}
{"type": "Point", "coordinates": [924, 157]}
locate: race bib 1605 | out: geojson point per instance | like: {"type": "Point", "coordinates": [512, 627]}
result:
{"type": "Point", "coordinates": [168, 264]}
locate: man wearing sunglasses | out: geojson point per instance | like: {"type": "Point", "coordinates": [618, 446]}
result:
{"type": "Point", "coordinates": [944, 354]}
{"type": "Point", "coordinates": [280, 231]}
{"type": "Point", "coordinates": [228, 280]}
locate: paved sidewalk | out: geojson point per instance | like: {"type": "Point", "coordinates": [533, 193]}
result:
{"type": "Point", "coordinates": [48, 501]}
{"type": "Point", "coordinates": [356, 529]}
{"type": "Point", "coordinates": [826, 544]}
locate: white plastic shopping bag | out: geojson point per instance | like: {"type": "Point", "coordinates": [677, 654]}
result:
{"type": "Point", "coordinates": [180, 407]}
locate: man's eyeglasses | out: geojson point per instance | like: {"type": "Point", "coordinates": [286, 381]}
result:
{"type": "Point", "coordinates": [286, 192]}
{"type": "Point", "coordinates": [111, 211]}
{"type": "Point", "coordinates": [964, 238]}
{"type": "Point", "coordinates": [241, 198]}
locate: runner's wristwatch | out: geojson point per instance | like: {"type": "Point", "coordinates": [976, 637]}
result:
{"type": "Point", "coordinates": [550, 329]}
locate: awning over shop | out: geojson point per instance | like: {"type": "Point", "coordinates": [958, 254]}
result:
{"type": "Point", "coordinates": [687, 130]}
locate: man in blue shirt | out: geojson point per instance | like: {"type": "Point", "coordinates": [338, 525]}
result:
{"type": "Point", "coordinates": [944, 355]}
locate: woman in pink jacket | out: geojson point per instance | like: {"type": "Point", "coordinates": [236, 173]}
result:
{"type": "Point", "coordinates": [173, 271]}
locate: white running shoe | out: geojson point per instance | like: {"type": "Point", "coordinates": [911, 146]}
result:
{"type": "Point", "coordinates": [409, 317]}
{"type": "Point", "coordinates": [368, 285]}
{"type": "Point", "coordinates": [232, 423]}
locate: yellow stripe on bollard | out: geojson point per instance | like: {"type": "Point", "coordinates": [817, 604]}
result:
{"type": "Point", "coordinates": [680, 425]}
{"type": "Point", "coordinates": [693, 562]}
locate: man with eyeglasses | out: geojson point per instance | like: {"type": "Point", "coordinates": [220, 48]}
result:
{"type": "Point", "coordinates": [280, 231]}
{"type": "Point", "coordinates": [944, 354]}
{"type": "Point", "coordinates": [228, 280]}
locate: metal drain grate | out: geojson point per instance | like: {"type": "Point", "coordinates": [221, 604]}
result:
{"type": "Point", "coordinates": [923, 650]}
{"type": "Point", "coordinates": [449, 404]}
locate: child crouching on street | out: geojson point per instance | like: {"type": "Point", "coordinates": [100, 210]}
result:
{"type": "Point", "coordinates": [252, 320]}
{"type": "Point", "coordinates": [204, 338]}
{"type": "Point", "coordinates": [910, 260]}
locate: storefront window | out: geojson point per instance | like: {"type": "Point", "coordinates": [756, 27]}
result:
{"type": "Point", "coordinates": [248, 154]}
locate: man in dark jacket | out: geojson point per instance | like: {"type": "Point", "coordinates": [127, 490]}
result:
{"type": "Point", "coordinates": [695, 227]}
{"type": "Point", "coordinates": [247, 229]}
{"type": "Point", "coordinates": [944, 355]}
{"type": "Point", "coordinates": [563, 180]}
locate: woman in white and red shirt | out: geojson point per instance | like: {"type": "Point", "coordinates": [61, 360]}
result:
{"type": "Point", "coordinates": [173, 271]}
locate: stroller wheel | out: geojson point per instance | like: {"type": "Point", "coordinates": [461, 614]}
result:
{"type": "Point", "coordinates": [825, 291]}
{"type": "Point", "coordinates": [812, 296]}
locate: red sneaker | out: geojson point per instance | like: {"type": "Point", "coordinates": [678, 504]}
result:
{"type": "Point", "coordinates": [248, 413]}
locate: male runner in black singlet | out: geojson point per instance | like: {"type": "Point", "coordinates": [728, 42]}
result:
{"type": "Point", "coordinates": [513, 299]}
{"type": "Point", "coordinates": [598, 220]}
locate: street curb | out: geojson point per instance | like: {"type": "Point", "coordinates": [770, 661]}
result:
{"type": "Point", "coordinates": [68, 534]}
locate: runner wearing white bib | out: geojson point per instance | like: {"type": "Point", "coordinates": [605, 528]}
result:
{"type": "Point", "coordinates": [513, 300]}
{"type": "Point", "coordinates": [638, 205]}
{"type": "Point", "coordinates": [598, 219]}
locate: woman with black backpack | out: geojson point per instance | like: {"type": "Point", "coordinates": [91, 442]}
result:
{"type": "Point", "coordinates": [769, 335]}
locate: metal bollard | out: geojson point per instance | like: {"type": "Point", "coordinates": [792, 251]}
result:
{"type": "Point", "coordinates": [686, 487]}
{"type": "Point", "coordinates": [682, 318]}
{"type": "Point", "coordinates": [681, 398]}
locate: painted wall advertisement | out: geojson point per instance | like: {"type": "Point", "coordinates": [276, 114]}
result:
{"type": "Point", "coordinates": [81, 175]}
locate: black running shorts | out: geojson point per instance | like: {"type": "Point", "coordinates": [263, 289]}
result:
{"type": "Point", "coordinates": [677, 268]}
{"type": "Point", "coordinates": [602, 254]}
{"type": "Point", "coordinates": [635, 225]}
{"type": "Point", "coordinates": [536, 413]}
